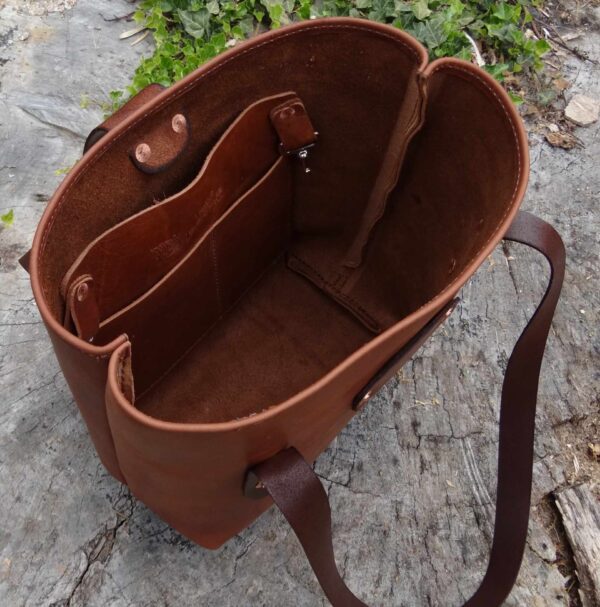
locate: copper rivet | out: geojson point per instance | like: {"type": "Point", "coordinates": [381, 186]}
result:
{"type": "Point", "coordinates": [364, 400]}
{"type": "Point", "coordinates": [82, 291]}
{"type": "Point", "coordinates": [142, 152]}
{"type": "Point", "coordinates": [179, 123]}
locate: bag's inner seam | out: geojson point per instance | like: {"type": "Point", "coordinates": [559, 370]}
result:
{"type": "Point", "coordinates": [334, 292]}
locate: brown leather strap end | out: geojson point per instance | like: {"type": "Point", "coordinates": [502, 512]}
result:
{"type": "Point", "coordinates": [293, 125]}
{"type": "Point", "coordinates": [136, 102]}
{"type": "Point", "coordinates": [82, 308]}
{"type": "Point", "coordinates": [25, 261]}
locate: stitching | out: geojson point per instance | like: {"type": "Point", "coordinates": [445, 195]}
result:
{"type": "Point", "coordinates": [192, 84]}
{"type": "Point", "coordinates": [347, 298]}
{"type": "Point", "coordinates": [120, 373]}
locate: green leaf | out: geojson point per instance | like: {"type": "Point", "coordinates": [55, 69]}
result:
{"type": "Point", "coordinates": [420, 9]}
{"type": "Point", "coordinates": [541, 47]}
{"type": "Point", "coordinates": [196, 23]}
{"type": "Point", "coordinates": [498, 70]}
{"type": "Point", "coordinates": [84, 102]}
{"type": "Point", "coordinates": [517, 99]}
{"type": "Point", "coordinates": [213, 7]}
{"type": "Point", "coordinates": [8, 218]}
{"type": "Point", "coordinates": [431, 32]}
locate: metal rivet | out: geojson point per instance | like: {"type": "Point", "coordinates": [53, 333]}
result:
{"type": "Point", "coordinates": [143, 152]}
{"type": "Point", "coordinates": [363, 401]}
{"type": "Point", "coordinates": [82, 291]}
{"type": "Point", "coordinates": [179, 123]}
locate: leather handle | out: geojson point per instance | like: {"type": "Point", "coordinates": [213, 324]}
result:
{"type": "Point", "coordinates": [137, 101]}
{"type": "Point", "coordinates": [300, 496]}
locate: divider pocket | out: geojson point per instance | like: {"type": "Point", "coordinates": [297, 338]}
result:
{"type": "Point", "coordinates": [127, 260]}
{"type": "Point", "coordinates": [167, 320]}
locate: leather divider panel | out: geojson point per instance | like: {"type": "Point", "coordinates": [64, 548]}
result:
{"type": "Point", "coordinates": [165, 322]}
{"type": "Point", "coordinates": [458, 181]}
{"type": "Point", "coordinates": [331, 260]}
{"type": "Point", "coordinates": [125, 261]}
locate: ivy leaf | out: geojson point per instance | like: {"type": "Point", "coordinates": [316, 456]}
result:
{"type": "Point", "coordinates": [420, 9]}
{"type": "Point", "coordinates": [541, 47]}
{"type": "Point", "coordinates": [431, 32]}
{"type": "Point", "coordinates": [276, 11]}
{"type": "Point", "coordinates": [498, 70]}
{"type": "Point", "coordinates": [517, 99]}
{"type": "Point", "coordinates": [196, 23]}
{"type": "Point", "coordinates": [213, 7]}
{"type": "Point", "coordinates": [7, 218]}
{"type": "Point", "coordinates": [382, 9]}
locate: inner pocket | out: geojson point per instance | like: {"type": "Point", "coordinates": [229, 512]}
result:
{"type": "Point", "coordinates": [166, 321]}
{"type": "Point", "coordinates": [128, 259]}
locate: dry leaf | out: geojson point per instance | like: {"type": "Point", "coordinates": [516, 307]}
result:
{"type": "Point", "coordinates": [140, 38]}
{"type": "Point", "coordinates": [594, 450]}
{"type": "Point", "coordinates": [133, 32]}
{"type": "Point", "coordinates": [561, 84]}
{"type": "Point", "coordinates": [566, 141]}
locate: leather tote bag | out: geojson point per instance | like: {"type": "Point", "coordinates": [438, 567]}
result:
{"type": "Point", "coordinates": [240, 261]}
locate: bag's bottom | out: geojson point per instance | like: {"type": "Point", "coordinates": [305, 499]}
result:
{"type": "Point", "coordinates": [283, 335]}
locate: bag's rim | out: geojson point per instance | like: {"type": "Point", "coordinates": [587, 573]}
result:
{"type": "Point", "coordinates": [174, 92]}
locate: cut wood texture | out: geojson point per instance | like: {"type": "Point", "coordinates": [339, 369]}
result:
{"type": "Point", "coordinates": [580, 511]}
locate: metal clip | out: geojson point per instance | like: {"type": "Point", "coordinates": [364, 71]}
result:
{"type": "Point", "coordinates": [302, 156]}
{"type": "Point", "coordinates": [300, 153]}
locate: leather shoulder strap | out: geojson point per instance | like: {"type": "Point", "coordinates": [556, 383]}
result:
{"type": "Point", "coordinates": [298, 493]}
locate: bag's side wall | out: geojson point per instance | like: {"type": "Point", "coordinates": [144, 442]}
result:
{"type": "Point", "coordinates": [340, 70]}
{"type": "Point", "coordinates": [461, 179]}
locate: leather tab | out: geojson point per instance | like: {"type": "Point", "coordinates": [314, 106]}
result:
{"type": "Point", "coordinates": [293, 125]}
{"type": "Point", "coordinates": [161, 146]}
{"type": "Point", "coordinates": [144, 96]}
{"type": "Point", "coordinates": [25, 261]}
{"type": "Point", "coordinates": [82, 308]}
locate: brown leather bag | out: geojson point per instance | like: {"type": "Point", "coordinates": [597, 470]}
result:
{"type": "Point", "coordinates": [239, 262]}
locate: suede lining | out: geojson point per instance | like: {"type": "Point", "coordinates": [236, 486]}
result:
{"type": "Point", "coordinates": [235, 328]}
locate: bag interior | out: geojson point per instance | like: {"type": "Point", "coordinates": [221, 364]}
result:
{"type": "Point", "coordinates": [298, 270]}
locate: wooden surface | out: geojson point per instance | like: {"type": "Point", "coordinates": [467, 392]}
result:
{"type": "Point", "coordinates": [580, 511]}
{"type": "Point", "coordinates": [411, 479]}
